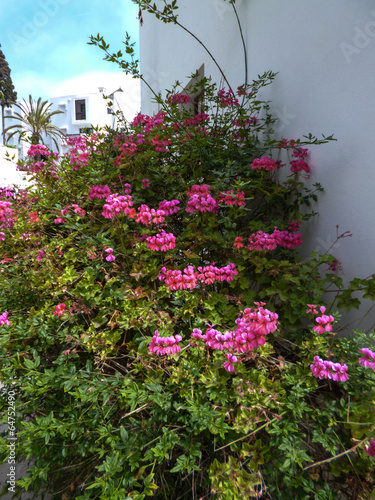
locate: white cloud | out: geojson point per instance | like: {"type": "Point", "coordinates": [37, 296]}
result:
{"type": "Point", "coordinates": [89, 82]}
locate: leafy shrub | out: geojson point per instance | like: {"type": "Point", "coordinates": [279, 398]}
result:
{"type": "Point", "coordinates": [182, 224]}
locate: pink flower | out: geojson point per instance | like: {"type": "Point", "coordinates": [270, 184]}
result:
{"type": "Point", "coordinates": [59, 220]}
{"type": "Point", "coordinates": [370, 449]}
{"type": "Point", "coordinates": [59, 309]}
{"type": "Point", "coordinates": [38, 149]}
{"type": "Point", "coordinates": [99, 191]}
{"type": "Point", "coordinates": [326, 369]}
{"type": "Point", "coordinates": [238, 242]}
{"type": "Point", "coordinates": [148, 215]}
{"type": "Point", "coordinates": [228, 365]}
{"type": "Point", "coordinates": [115, 205]}
{"type": "Point", "coordinates": [299, 166]}
{"type": "Point", "coordinates": [110, 257]}
{"type": "Point", "coordinates": [227, 98]}
{"type": "Point", "coordinates": [197, 335]}
{"type": "Point", "coordinates": [201, 200]}
{"type": "Point", "coordinates": [265, 163]}
{"type": "Point", "coordinates": [4, 318]}
{"type": "Point", "coordinates": [41, 254]}
{"type": "Point", "coordinates": [232, 199]}
{"type": "Point", "coordinates": [178, 99]}
{"type": "Point", "coordinates": [312, 309]}
{"type": "Point", "coordinates": [324, 322]}
{"type": "Point", "coordinates": [145, 183]}
{"type": "Point", "coordinates": [2, 236]}
{"type": "Point", "coordinates": [164, 345]}
{"type": "Point", "coordinates": [368, 359]}
{"type": "Point", "coordinates": [163, 241]}
{"type": "Point", "coordinates": [169, 207]}
{"type": "Point", "coordinates": [33, 217]}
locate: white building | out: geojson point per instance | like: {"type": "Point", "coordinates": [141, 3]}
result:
{"type": "Point", "coordinates": [324, 52]}
{"type": "Point", "coordinates": [81, 113]}
{"type": "Point", "coordinates": [9, 174]}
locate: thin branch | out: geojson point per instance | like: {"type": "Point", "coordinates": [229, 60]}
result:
{"type": "Point", "coordinates": [346, 452]}
{"type": "Point", "coordinates": [242, 39]}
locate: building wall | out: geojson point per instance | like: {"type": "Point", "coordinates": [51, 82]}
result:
{"type": "Point", "coordinates": [324, 52]}
{"type": "Point", "coordinates": [99, 111]}
{"type": "Point", "coordinates": [9, 174]}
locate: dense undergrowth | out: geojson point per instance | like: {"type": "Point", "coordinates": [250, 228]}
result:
{"type": "Point", "coordinates": [181, 224]}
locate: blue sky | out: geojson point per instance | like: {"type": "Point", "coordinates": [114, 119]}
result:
{"type": "Point", "coordinates": [45, 44]}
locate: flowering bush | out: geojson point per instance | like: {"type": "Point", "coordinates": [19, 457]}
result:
{"type": "Point", "coordinates": [153, 317]}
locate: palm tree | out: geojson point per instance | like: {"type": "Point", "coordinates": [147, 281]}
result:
{"type": "Point", "coordinates": [35, 120]}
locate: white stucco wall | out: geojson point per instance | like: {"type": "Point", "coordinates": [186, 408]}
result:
{"type": "Point", "coordinates": [9, 175]}
{"type": "Point", "coordinates": [324, 51]}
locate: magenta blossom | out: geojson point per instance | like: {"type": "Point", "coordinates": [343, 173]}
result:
{"type": "Point", "coordinates": [324, 322]}
{"type": "Point", "coordinates": [59, 309]}
{"type": "Point", "coordinates": [228, 365]}
{"type": "Point", "coordinates": [110, 257]}
{"type": "Point", "coordinates": [4, 318]}
{"type": "Point", "coordinates": [327, 369]}
{"type": "Point", "coordinates": [164, 345]}
{"type": "Point", "coordinates": [368, 359]}
{"type": "Point", "coordinates": [370, 449]}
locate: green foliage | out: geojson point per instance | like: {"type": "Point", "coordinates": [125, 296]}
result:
{"type": "Point", "coordinates": [103, 417]}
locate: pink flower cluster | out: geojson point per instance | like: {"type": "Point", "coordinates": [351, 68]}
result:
{"type": "Point", "coordinates": [147, 215]}
{"type": "Point", "coordinates": [161, 143]}
{"type": "Point", "coordinates": [210, 274]}
{"type": "Point", "coordinates": [264, 241]}
{"type": "Point", "coordinates": [169, 207]}
{"type": "Point", "coordinates": [368, 359]}
{"type": "Point", "coordinates": [38, 149]}
{"type": "Point", "coordinates": [249, 333]}
{"type": "Point", "coordinates": [324, 321]}
{"type": "Point", "coordinates": [198, 119]}
{"type": "Point", "coordinates": [99, 192]}
{"type": "Point", "coordinates": [36, 167]}
{"type": "Point", "coordinates": [286, 239]}
{"type": "Point", "coordinates": [227, 98]}
{"type": "Point", "coordinates": [179, 280]}
{"type": "Point", "coordinates": [164, 345]}
{"type": "Point", "coordinates": [299, 166]}
{"type": "Point", "coordinates": [2, 236]}
{"type": "Point", "coordinates": [78, 154]}
{"type": "Point", "coordinates": [116, 204]}
{"type": "Point", "coordinates": [4, 318]}
{"type": "Point", "coordinates": [76, 208]}
{"type": "Point", "coordinates": [163, 241]}
{"type": "Point", "coordinates": [200, 200]}
{"type": "Point", "coordinates": [231, 198]}
{"type": "Point", "coordinates": [178, 99]}
{"type": "Point", "coordinates": [7, 216]}
{"type": "Point", "coordinates": [265, 163]}
{"type": "Point", "coordinates": [41, 254]}
{"type": "Point", "coordinates": [145, 183]}
{"type": "Point", "coordinates": [189, 277]}
{"type": "Point", "coordinates": [245, 122]}
{"type": "Point", "coordinates": [59, 309]}
{"type": "Point", "coordinates": [327, 369]}
{"type": "Point", "coordinates": [8, 192]}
